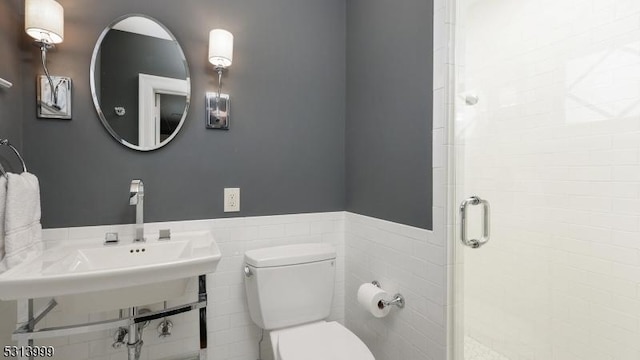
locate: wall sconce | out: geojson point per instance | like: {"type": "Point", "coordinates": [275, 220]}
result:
{"type": "Point", "coordinates": [44, 21]}
{"type": "Point", "coordinates": [221, 56]}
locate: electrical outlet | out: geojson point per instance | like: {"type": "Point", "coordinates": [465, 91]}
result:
{"type": "Point", "coordinates": [231, 199]}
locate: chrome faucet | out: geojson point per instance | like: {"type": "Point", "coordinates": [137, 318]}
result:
{"type": "Point", "coordinates": [136, 197]}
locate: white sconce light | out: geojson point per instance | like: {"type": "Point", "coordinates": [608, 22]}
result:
{"type": "Point", "coordinates": [221, 57]}
{"type": "Point", "coordinates": [44, 21]}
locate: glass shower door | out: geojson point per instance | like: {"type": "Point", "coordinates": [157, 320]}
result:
{"type": "Point", "coordinates": [547, 131]}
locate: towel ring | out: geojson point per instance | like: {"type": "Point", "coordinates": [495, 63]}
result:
{"type": "Point", "coordinates": [7, 143]}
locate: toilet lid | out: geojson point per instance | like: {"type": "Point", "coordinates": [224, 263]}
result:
{"type": "Point", "coordinates": [322, 341]}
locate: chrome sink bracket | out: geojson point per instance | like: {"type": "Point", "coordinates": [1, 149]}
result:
{"type": "Point", "coordinates": [24, 321]}
{"type": "Point", "coordinates": [25, 332]}
{"type": "Point", "coordinates": [44, 311]}
{"type": "Point", "coordinates": [45, 333]}
{"type": "Point", "coordinates": [30, 324]}
{"type": "Point", "coordinates": [32, 321]}
{"type": "Point", "coordinates": [202, 297]}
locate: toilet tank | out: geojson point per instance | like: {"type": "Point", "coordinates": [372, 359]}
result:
{"type": "Point", "coordinates": [289, 285]}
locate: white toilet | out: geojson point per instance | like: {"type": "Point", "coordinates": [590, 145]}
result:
{"type": "Point", "coordinates": [290, 291]}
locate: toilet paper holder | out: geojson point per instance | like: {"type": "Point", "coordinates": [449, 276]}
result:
{"type": "Point", "coordinates": [398, 299]}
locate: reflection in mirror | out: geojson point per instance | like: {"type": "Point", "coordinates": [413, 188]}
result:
{"type": "Point", "coordinates": [140, 82]}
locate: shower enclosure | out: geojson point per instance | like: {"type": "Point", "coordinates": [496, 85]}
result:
{"type": "Point", "coordinates": [546, 129]}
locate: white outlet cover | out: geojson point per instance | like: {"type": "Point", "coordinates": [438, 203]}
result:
{"type": "Point", "coordinates": [231, 199]}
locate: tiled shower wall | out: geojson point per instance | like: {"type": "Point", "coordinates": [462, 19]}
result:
{"type": "Point", "coordinates": [231, 333]}
{"type": "Point", "coordinates": [554, 144]}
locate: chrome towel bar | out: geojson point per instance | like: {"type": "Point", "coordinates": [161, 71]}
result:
{"type": "Point", "coordinates": [7, 143]}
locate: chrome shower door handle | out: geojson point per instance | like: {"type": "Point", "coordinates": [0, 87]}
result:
{"type": "Point", "coordinates": [486, 219]}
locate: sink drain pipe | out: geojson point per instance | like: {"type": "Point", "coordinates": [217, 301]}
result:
{"type": "Point", "coordinates": [134, 343]}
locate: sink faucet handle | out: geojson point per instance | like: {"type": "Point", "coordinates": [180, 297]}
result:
{"type": "Point", "coordinates": [164, 234]}
{"type": "Point", "coordinates": [111, 238]}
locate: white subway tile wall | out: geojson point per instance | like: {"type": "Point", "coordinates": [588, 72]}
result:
{"type": "Point", "coordinates": [231, 333]}
{"type": "Point", "coordinates": [403, 259]}
{"type": "Point", "coordinates": [554, 144]}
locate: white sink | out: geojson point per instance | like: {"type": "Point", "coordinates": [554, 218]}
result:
{"type": "Point", "coordinates": [111, 272]}
{"type": "Point", "coordinates": [115, 257]}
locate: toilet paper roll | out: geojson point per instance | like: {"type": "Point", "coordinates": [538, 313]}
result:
{"type": "Point", "coordinates": [370, 298]}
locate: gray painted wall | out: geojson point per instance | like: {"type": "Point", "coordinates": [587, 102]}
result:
{"type": "Point", "coordinates": [10, 99]}
{"type": "Point", "coordinates": [285, 149]}
{"type": "Point", "coordinates": [389, 110]}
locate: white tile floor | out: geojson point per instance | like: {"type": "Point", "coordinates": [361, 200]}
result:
{"type": "Point", "coordinates": [473, 350]}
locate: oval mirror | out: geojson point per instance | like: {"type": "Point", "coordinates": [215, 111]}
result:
{"type": "Point", "coordinates": [140, 82]}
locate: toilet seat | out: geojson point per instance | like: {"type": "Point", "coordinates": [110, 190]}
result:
{"type": "Point", "coordinates": [319, 341]}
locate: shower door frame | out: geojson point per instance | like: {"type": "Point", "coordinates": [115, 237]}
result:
{"type": "Point", "coordinates": [445, 68]}
{"type": "Point", "coordinates": [447, 30]}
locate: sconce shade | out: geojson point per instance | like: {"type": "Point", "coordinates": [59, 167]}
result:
{"type": "Point", "coordinates": [220, 48]}
{"type": "Point", "coordinates": [44, 20]}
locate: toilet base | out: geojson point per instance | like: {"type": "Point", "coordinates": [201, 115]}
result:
{"type": "Point", "coordinates": [320, 340]}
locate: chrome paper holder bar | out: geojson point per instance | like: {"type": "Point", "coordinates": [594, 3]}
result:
{"type": "Point", "coordinates": [486, 219]}
{"type": "Point", "coordinates": [398, 299]}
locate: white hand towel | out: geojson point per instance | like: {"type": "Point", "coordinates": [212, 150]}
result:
{"type": "Point", "coordinates": [22, 229]}
{"type": "Point", "coordinates": [3, 201]}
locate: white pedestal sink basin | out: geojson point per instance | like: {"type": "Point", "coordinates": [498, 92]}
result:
{"type": "Point", "coordinates": [94, 276]}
